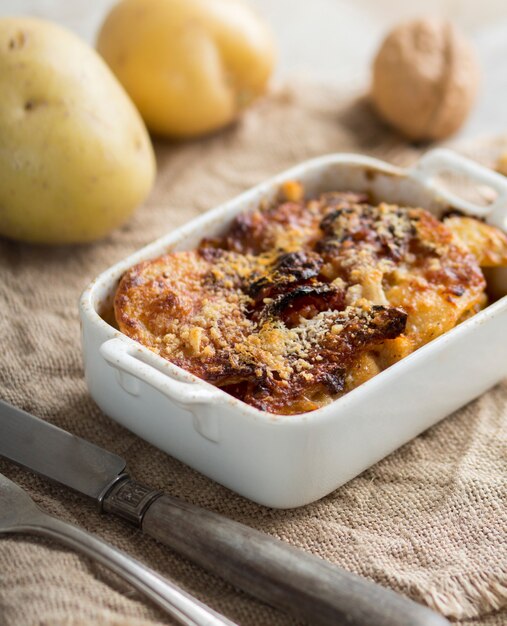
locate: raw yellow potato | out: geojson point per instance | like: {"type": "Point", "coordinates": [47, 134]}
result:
{"type": "Point", "coordinates": [75, 157]}
{"type": "Point", "coordinates": [190, 66]}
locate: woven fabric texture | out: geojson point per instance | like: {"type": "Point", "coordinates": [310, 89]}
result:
{"type": "Point", "coordinates": [429, 521]}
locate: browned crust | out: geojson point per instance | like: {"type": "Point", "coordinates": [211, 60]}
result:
{"type": "Point", "coordinates": [301, 301]}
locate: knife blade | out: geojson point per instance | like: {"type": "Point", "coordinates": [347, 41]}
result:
{"type": "Point", "coordinates": [55, 453]}
{"type": "Point", "coordinates": [265, 567]}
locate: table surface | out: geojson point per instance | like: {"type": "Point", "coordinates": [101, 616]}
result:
{"type": "Point", "coordinates": [335, 40]}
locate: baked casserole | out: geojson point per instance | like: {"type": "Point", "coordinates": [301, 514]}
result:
{"type": "Point", "coordinates": [305, 298]}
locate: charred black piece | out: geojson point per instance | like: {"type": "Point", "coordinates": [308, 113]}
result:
{"type": "Point", "coordinates": [457, 290]}
{"type": "Point", "coordinates": [229, 372]}
{"type": "Point", "coordinates": [288, 269]}
{"type": "Point", "coordinates": [303, 301]}
{"type": "Point", "coordinates": [284, 300]}
{"type": "Point", "coordinates": [301, 265]}
{"type": "Point", "coordinates": [255, 287]}
{"type": "Point", "coordinates": [389, 320]}
{"type": "Point", "coordinates": [334, 381]}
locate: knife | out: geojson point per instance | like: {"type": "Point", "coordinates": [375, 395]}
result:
{"type": "Point", "coordinates": [20, 514]}
{"type": "Point", "coordinates": [267, 568]}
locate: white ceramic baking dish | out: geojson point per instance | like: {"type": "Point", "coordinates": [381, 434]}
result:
{"type": "Point", "coordinates": [288, 461]}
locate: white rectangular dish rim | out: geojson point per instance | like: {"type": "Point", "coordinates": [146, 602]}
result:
{"type": "Point", "coordinates": [134, 364]}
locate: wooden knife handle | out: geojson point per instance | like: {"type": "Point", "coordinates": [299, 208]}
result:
{"type": "Point", "coordinates": [267, 568]}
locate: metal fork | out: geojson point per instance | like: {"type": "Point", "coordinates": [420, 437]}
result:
{"type": "Point", "coordinates": [20, 514]}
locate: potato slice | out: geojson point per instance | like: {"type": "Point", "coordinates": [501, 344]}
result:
{"type": "Point", "coordinates": [487, 243]}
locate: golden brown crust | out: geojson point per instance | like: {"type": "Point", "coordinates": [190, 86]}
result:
{"type": "Point", "coordinates": [485, 242]}
{"type": "Point", "coordinates": [288, 225]}
{"type": "Point", "coordinates": [301, 301]}
{"type": "Point", "coordinates": [189, 309]}
{"type": "Point", "coordinates": [406, 258]}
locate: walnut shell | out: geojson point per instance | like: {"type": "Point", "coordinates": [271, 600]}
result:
{"type": "Point", "coordinates": [425, 79]}
{"type": "Point", "coordinates": [501, 165]}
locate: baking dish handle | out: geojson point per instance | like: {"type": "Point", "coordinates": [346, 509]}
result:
{"type": "Point", "coordinates": [440, 160]}
{"type": "Point", "coordinates": [118, 354]}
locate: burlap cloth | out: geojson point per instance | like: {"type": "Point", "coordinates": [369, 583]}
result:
{"type": "Point", "coordinates": [429, 521]}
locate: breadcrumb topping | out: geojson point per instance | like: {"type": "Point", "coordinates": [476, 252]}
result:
{"type": "Point", "coordinates": [303, 299]}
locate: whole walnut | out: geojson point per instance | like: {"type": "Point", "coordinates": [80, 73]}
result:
{"type": "Point", "coordinates": [501, 165]}
{"type": "Point", "coordinates": [425, 79]}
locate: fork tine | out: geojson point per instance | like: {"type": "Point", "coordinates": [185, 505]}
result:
{"type": "Point", "coordinates": [16, 506]}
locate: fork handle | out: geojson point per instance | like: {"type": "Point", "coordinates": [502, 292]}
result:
{"type": "Point", "coordinates": [182, 606]}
